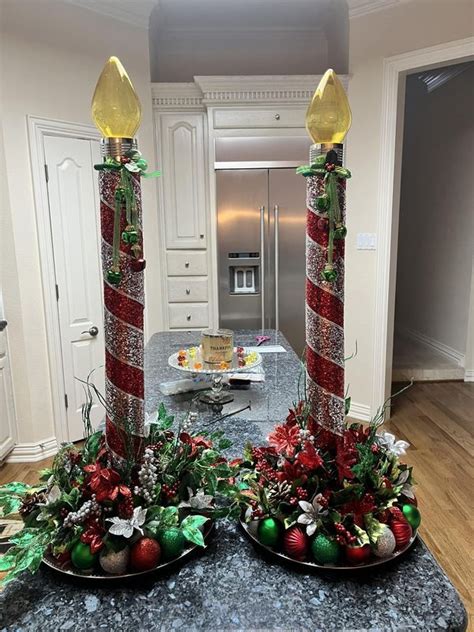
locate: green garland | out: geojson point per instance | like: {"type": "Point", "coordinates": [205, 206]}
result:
{"type": "Point", "coordinates": [131, 162]}
{"type": "Point", "coordinates": [328, 203]}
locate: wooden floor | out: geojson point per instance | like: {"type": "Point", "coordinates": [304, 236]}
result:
{"type": "Point", "coordinates": [437, 419]}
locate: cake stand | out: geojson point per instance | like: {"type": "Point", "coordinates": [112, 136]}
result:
{"type": "Point", "coordinates": [217, 396]}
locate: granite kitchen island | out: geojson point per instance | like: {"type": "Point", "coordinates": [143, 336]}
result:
{"type": "Point", "coordinates": [230, 586]}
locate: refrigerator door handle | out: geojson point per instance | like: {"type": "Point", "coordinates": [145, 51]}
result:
{"type": "Point", "coordinates": [262, 263]}
{"type": "Point", "coordinates": [276, 211]}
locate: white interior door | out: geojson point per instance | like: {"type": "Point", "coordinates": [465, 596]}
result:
{"type": "Point", "coordinates": [7, 408]}
{"type": "Point", "coordinates": [74, 210]}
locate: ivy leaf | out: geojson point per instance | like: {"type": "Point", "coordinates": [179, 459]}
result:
{"type": "Point", "coordinates": [190, 527]}
{"type": "Point", "coordinates": [224, 444]}
{"type": "Point", "coordinates": [14, 488]}
{"type": "Point", "coordinates": [9, 505]}
{"type": "Point", "coordinates": [374, 527]}
{"type": "Point", "coordinates": [208, 457]}
{"type": "Point", "coordinates": [169, 517]}
{"type": "Point", "coordinates": [362, 536]}
{"type": "Point", "coordinates": [7, 562]}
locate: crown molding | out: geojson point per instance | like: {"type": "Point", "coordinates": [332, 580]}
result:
{"type": "Point", "coordinates": [176, 96]}
{"type": "Point", "coordinates": [265, 89]}
{"type": "Point", "coordinates": [134, 13]}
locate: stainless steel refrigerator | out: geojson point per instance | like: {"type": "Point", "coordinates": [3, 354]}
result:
{"type": "Point", "coordinates": [261, 241]}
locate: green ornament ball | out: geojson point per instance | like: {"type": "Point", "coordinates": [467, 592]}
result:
{"type": "Point", "coordinates": [329, 274]}
{"type": "Point", "coordinates": [269, 531]}
{"type": "Point", "coordinates": [340, 232]}
{"type": "Point", "coordinates": [114, 277]}
{"type": "Point", "coordinates": [412, 515]}
{"type": "Point", "coordinates": [325, 550]}
{"type": "Point", "coordinates": [172, 542]}
{"type": "Point", "coordinates": [322, 202]}
{"type": "Point", "coordinates": [81, 556]}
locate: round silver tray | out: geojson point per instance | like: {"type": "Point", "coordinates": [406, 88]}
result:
{"type": "Point", "coordinates": [314, 566]}
{"type": "Point", "coordinates": [235, 368]}
{"type": "Point", "coordinates": [69, 570]}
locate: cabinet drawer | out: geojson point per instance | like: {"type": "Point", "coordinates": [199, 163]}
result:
{"type": "Point", "coordinates": [186, 263]}
{"type": "Point", "coordinates": [188, 316]}
{"type": "Point", "coordinates": [190, 290]}
{"type": "Point", "coordinates": [276, 117]}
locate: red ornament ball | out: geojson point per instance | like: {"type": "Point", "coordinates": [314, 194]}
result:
{"type": "Point", "coordinates": [358, 554]}
{"type": "Point", "coordinates": [402, 532]}
{"type": "Point", "coordinates": [138, 265]}
{"type": "Point", "coordinates": [296, 543]}
{"type": "Point", "coordinates": [145, 554]}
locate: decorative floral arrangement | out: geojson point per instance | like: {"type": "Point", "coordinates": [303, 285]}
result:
{"type": "Point", "coordinates": [332, 500]}
{"type": "Point", "coordinates": [89, 514]}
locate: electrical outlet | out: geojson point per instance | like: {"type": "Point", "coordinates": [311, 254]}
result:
{"type": "Point", "coordinates": [366, 241]}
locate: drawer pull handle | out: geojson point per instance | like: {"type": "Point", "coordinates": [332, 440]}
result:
{"type": "Point", "coordinates": [188, 291]}
{"type": "Point", "coordinates": [188, 317]}
{"type": "Point", "coordinates": [277, 117]}
{"type": "Point", "coordinates": [186, 265]}
{"type": "Point", "coordinates": [201, 236]}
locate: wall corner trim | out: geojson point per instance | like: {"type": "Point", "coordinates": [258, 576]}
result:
{"type": "Point", "coordinates": [360, 412]}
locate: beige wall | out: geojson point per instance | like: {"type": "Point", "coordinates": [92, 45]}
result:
{"type": "Point", "coordinates": [436, 234]}
{"type": "Point", "coordinates": [52, 53]}
{"type": "Point", "coordinates": [406, 27]}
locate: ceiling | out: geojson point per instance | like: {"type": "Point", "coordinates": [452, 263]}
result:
{"type": "Point", "coordinates": [137, 12]}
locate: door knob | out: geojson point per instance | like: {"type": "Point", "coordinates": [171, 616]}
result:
{"type": "Point", "coordinates": [93, 331]}
{"type": "Point", "coordinates": [3, 324]}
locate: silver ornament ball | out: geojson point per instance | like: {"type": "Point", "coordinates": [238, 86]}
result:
{"type": "Point", "coordinates": [115, 562]}
{"type": "Point", "coordinates": [386, 543]}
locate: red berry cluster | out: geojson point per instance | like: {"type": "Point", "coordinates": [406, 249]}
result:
{"type": "Point", "coordinates": [156, 447]}
{"type": "Point", "coordinates": [257, 512]}
{"type": "Point", "coordinates": [124, 160]}
{"type": "Point", "coordinates": [301, 493]}
{"type": "Point", "coordinates": [293, 500]}
{"type": "Point", "coordinates": [330, 166]}
{"type": "Point", "coordinates": [170, 491]}
{"type": "Point", "coordinates": [125, 508]}
{"type": "Point", "coordinates": [343, 535]}
{"type": "Point", "coordinates": [375, 448]}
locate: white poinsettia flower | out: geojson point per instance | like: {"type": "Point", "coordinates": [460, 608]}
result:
{"type": "Point", "coordinates": [126, 526]}
{"type": "Point", "coordinates": [312, 513]}
{"type": "Point", "coordinates": [407, 489]}
{"type": "Point", "coordinates": [200, 500]}
{"type": "Point", "coordinates": [150, 418]}
{"type": "Point", "coordinates": [54, 495]}
{"type": "Point", "coordinates": [389, 441]}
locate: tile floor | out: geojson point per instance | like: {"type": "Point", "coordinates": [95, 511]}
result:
{"type": "Point", "coordinates": [413, 359]}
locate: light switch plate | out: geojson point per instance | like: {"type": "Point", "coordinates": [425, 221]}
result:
{"type": "Point", "coordinates": [366, 241]}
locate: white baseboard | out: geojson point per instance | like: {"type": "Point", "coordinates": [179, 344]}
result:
{"type": "Point", "coordinates": [469, 375]}
{"type": "Point", "coordinates": [31, 452]}
{"type": "Point", "coordinates": [360, 412]}
{"type": "Point", "coordinates": [436, 345]}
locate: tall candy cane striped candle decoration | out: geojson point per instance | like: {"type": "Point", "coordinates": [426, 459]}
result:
{"type": "Point", "coordinates": [116, 112]}
{"type": "Point", "coordinates": [327, 120]}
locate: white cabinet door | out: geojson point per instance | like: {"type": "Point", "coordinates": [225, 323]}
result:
{"type": "Point", "coordinates": [73, 205]}
{"type": "Point", "coordinates": [183, 179]}
{"type": "Point", "coordinates": [7, 409]}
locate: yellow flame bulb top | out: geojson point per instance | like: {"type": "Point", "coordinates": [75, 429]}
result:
{"type": "Point", "coordinates": [116, 110]}
{"type": "Point", "coordinates": [328, 118]}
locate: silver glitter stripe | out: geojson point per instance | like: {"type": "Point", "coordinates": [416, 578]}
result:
{"type": "Point", "coordinates": [120, 320]}
{"type": "Point", "coordinates": [327, 409]}
{"type": "Point", "coordinates": [324, 337]}
{"type": "Point", "coordinates": [125, 407]}
{"type": "Point", "coordinates": [123, 342]}
{"type": "Point", "coordinates": [132, 283]}
{"type": "Point", "coordinates": [315, 261]}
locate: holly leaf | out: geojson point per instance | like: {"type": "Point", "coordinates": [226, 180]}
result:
{"type": "Point", "coordinates": [224, 444]}
{"type": "Point", "coordinates": [7, 562]}
{"type": "Point", "coordinates": [14, 488]}
{"type": "Point", "coordinates": [362, 537]}
{"type": "Point", "coordinates": [194, 521]}
{"type": "Point", "coordinates": [190, 528]}
{"type": "Point", "coordinates": [373, 527]}
{"type": "Point", "coordinates": [169, 517]}
{"type": "Point", "coordinates": [9, 505]}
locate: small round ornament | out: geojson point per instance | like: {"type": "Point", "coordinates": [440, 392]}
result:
{"type": "Point", "coordinates": [402, 532]}
{"type": "Point", "coordinates": [325, 550]}
{"type": "Point", "coordinates": [268, 531]}
{"type": "Point", "coordinates": [172, 542]}
{"type": "Point", "coordinates": [295, 543]}
{"type": "Point", "coordinates": [114, 277]}
{"type": "Point", "coordinates": [322, 202]}
{"type": "Point", "coordinates": [115, 562]}
{"type": "Point", "coordinates": [386, 543]}
{"type": "Point", "coordinates": [358, 554]}
{"type": "Point", "coordinates": [329, 273]}
{"type": "Point", "coordinates": [145, 554]}
{"type": "Point", "coordinates": [81, 556]}
{"type": "Point", "coordinates": [412, 515]}
{"type": "Point", "coordinates": [138, 265]}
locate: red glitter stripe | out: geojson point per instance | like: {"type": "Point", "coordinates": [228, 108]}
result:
{"type": "Point", "coordinates": [125, 377]}
{"type": "Point", "coordinates": [123, 307]}
{"type": "Point", "coordinates": [325, 373]}
{"type": "Point", "coordinates": [317, 228]}
{"type": "Point", "coordinates": [107, 225]}
{"type": "Point", "coordinates": [117, 439]}
{"type": "Point", "coordinates": [324, 303]}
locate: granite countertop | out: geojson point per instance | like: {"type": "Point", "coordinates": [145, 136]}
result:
{"type": "Point", "coordinates": [230, 586]}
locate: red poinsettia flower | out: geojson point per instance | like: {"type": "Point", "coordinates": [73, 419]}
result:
{"type": "Point", "coordinates": [309, 457]}
{"type": "Point", "coordinates": [195, 442]}
{"type": "Point", "coordinates": [104, 482]}
{"type": "Point", "coordinates": [235, 462]}
{"type": "Point", "coordinates": [294, 413]}
{"type": "Point", "coordinates": [93, 536]}
{"type": "Point", "coordinates": [359, 508]}
{"type": "Point", "coordinates": [291, 472]}
{"type": "Point", "coordinates": [285, 439]}
{"type": "Point", "coordinates": [346, 457]}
